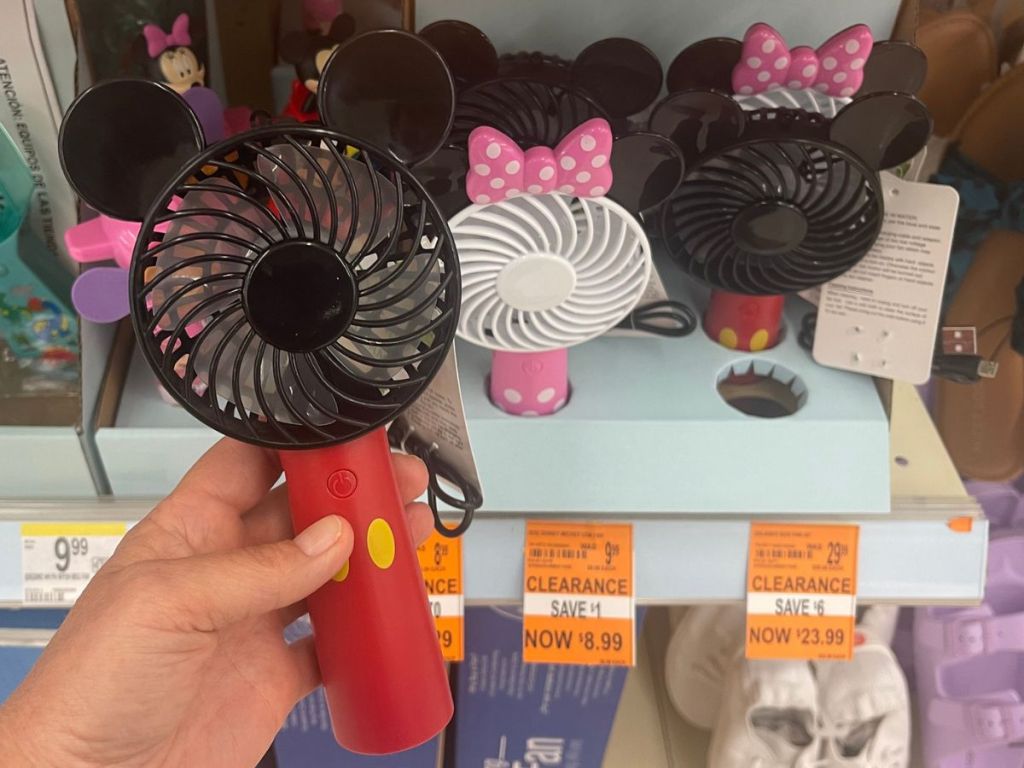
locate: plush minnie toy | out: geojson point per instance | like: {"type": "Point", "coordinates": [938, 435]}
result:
{"type": "Point", "coordinates": [171, 58]}
{"type": "Point", "coordinates": [309, 52]}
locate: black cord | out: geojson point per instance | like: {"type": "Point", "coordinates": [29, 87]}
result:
{"type": "Point", "coordinates": [962, 369]}
{"type": "Point", "coordinates": [662, 318]}
{"type": "Point", "coordinates": [438, 470]}
{"type": "Point", "coordinates": [808, 325]}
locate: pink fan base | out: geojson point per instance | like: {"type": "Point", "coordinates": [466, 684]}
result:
{"type": "Point", "coordinates": [530, 383]}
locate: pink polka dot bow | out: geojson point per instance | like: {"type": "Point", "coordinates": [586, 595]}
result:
{"type": "Point", "coordinates": [578, 166]}
{"type": "Point", "coordinates": [836, 68]}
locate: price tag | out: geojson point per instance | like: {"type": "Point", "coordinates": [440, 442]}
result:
{"type": "Point", "coordinates": [441, 563]}
{"type": "Point", "coordinates": [578, 599]}
{"type": "Point", "coordinates": [59, 559]}
{"type": "Point", "coordinates": [801, 591]}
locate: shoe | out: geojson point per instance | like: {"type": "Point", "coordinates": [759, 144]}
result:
{"type": "Point", "coordinates": [797, 714]}
{"type": "Point", "coordinates": [962, 60]}
{"type": "Point", "coordinates": [703, 647]}
{"type": "Point", "coordinates": [982, 423]}
{"type": "Point", "coordinates": [970, 671]}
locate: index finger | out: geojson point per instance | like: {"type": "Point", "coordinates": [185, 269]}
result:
{"type": "Point", "coordinates": [229, 479]}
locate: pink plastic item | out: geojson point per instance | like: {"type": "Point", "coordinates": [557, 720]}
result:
{"type": "Point", "coordinates": [530, 383]}
{"type": "Point", "coordinates": [836, 68]}
{"type": "Point", "coordinates": [578, 166]}
{"type": "Point", "coordinates": [103, 238]}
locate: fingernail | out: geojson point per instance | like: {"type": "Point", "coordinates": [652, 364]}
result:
{"type": "Point", "coordinates": [320, 536]}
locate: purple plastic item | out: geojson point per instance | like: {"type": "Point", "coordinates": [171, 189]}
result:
{"type": "Point", "coordinates": [101, 294]}
{"type": "Point", "coordinates": [209, 109]}
{"type": "Point", "coordinates": [970, 670]}
{"type": "Point", "coordinates": [1003, 503]}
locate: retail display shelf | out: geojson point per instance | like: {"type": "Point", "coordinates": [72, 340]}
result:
{"type": "Point", "coordinates": [645, 426]}
{"type": "Point", "coordinates": [930, 549]}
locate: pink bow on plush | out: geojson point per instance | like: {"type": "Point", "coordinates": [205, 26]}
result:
{"type": "Point", "coordinates": [158, 41]}
{"type": "Point", "coordinates": [578, 166]}
{"type": "Point", "coordinates": [836, 68]}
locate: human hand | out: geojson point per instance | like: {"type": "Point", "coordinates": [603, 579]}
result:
{"type": "Point", "coordinates": [174, 653]}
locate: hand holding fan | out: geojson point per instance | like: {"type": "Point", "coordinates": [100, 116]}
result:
{"type": "Point", "coordinates": [295, 287]}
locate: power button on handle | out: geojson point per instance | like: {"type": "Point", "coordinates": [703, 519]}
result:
{"type": "Point", "coordinates": [342, 483]}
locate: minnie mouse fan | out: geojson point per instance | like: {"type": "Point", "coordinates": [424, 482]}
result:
{"type": "Point", "coordinates": [296, 287]}
{"type": "Point", "coordinates": [545, 205]}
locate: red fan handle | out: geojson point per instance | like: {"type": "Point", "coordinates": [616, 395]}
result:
{"type": "Point", "coordinates": [387, 689]}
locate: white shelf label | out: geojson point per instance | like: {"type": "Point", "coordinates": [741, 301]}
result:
{"type": "Point", "coordinates": [59, 559]}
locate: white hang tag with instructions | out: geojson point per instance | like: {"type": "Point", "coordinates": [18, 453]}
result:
{"type": "Point", "coordinates": [881, 317]}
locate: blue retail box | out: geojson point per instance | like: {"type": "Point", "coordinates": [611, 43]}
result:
{"type": "Point", "coordinates": [306, 740]}
{"type": "Point", "coordinates": [514, 715]}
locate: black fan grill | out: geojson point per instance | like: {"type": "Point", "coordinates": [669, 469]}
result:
{"type": "Point", "coordinates": [295, 287]}
{"type": "Point", "coordinates": [530, 112]}
{"type": "Point", "coordinates": [773, 215]}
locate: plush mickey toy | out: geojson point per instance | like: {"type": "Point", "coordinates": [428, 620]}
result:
{"type": "Point", "coordinates": [309, 52]}
{"type": "Point", "coordinates": [171, 59]}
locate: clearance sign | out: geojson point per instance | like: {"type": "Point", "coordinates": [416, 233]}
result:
{"type": "Point", "coordinates": [578, 596]}
{"type": "Point", "coordinates": [801, 591]}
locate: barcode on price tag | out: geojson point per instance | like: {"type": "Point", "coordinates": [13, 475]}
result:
{"type": "Point", "coordinates": [441, 563]}
{"type": "Point", "coordinates": [801, 591]}
{"type": "Point", "coordinates": [59, 559]}
{"type": "Point", "coordinates": [578, 598]}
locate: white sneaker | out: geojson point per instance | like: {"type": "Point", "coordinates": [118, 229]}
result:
{"type": "Point", "coordinates": [794, 714]}
{"type": "Point", "coordinates": [703, 647]}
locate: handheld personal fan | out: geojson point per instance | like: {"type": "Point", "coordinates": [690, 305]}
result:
{"type": "Point", "coordinates": [299, 296]}
{"type": "Point", "coordinates": [782, 191]}
{"type": "Point", "coordinates": [545, 205]}
{"type": "Point", "coordinates": [542, 273]}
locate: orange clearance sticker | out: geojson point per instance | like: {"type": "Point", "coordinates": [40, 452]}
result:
{"type": "Point", "coordinates": [441, 563]}
{"type": "Point", "coordinates": [578, 598]}
{"type": "Point", "coordinates": [801, 591]}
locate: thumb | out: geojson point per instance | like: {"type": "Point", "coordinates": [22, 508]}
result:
{"type": "Point", "coordinates": [223, 588]}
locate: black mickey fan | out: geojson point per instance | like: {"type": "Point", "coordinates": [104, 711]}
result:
{"type": "Point", "coordinates": [767, 216]}
{"type": "Point", "coordinates": [301, 308]}
{"type": "Point", "coordinates": [296, 287]}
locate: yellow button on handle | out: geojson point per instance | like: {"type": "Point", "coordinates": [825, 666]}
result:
{"type": "Point", "coordinates": [380, 542]}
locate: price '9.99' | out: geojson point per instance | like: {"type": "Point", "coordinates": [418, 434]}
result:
{"type": "Point", "coordinates": [64, 548]}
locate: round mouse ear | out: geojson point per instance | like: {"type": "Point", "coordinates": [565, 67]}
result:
{"type": "Point", "coordinates": [698, 121]}
{"type": "Point", "coordinates": [122, 141]}
{"type": "Point", "coordinates": [883, 129]}
{"type": "Point", "coordinates": [467, 51]}
{"type": "Point", "coordinates": [342, 28]}
{"type": "Point", "coordinates": [894, 65]}
{"type": "Point", "coordinates": [622, 75]}
{"type": "Point", "coordinates": [389, 88]}
{"type": "Point", "coordinates": [646, 169]}
{"type": "Point", "coordinates": [707, 64]}
{"type": "Point", "coordinates": [294, 46]}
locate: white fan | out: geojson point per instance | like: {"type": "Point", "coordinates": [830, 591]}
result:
{"type": "Point", "coordinates": [541, 273]}
{"type": "Point", "coordinates": [807, 99]}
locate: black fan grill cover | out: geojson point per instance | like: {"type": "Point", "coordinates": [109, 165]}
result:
{"type": "Point", "coordinates": [530, 112]}
{"type": "Point", "coordinates": [771, 216]}
{"type": "Point", "coordinates": [285, 316]}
